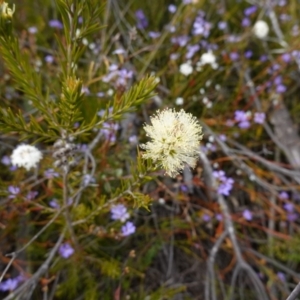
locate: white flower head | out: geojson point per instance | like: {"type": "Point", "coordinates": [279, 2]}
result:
{"type": "Point", "coordinates": [208, 58]}
{"type": "Point", "coordinates": [186, 68]}
{"type": "Point", "coordinates": [174, 141]}
{"type": "Point", "coordinates": [26, 156]}
{"type": "Point", "coordinates": [261, 29]}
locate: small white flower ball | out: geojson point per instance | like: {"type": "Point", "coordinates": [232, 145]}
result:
{"type": "Point", "coordinates": [261, 29]}
{"type": "Point", "coordinates": [186, 69]}
{"type": "Point", "coordinates": [26, 156]}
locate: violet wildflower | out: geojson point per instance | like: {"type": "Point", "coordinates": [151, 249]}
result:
{"type": "Point", "coordinates": [225, 184]}
{"type": "Point", "coordinates": [281, 276]}
{"type": "Point", "coordinates": [201, 26]}
{"type": "Point", "coordinates": [222, 25]}
{"type": "Point", "coordinates": [286, 57]}
{"type": "Point", "coordinates": [250, 10]}
{"type": "Point", "coordinates": [54, 204]}
{"type": "Point", "coordinates": [289, 207]}
{"type": "Point", "coordinates": [50, 173]}
{"type": "Point", "coordinates": [291, 217]}
{"type": "Point", "coordinates": [119, 212]}
{"type": "Point", "coordinates": [248, 54]}
{"type": "Point", "coordinates": [55, 24]}
{"type": "Point", "coordinates": [234, 56]}
{"type": "Point", "coordinates": [49, 59]}
{"type": "Point", "coordinates": [246, 22]}
{"type": "Point", "coordinates": [180, 40]}
{"type": "Point", "coordinates": [32, 30]}
{"type": "Point", "coordinates": [142, 21]}
{"type": "Point", "coordinates": [10, 284]}
{"type": "Point", "coordinates": [109, 131]}
{"type": "Point", "coordinates": [133, 139]}
{"type": "Point", "coordinates": [191, 50]}
{"type": "Point", "coordinates": [128, 229]}
{"type": "Point", "coordinates": [259, 117]}
{"type": "Point", "coordinates": [247, 215]}
{"type": "Point", "coordinates": [206, 218]}
{"type": "Point", "coordinates": [281, 88]}
{"type": "Point", "coordinates": [65, 250]}
{"type": "Point", "coordinates": [154, 35]}
{"type": "Point", "coordinates": [6, 160]}
{"type": "Point", "coordinates": [284, 195]}
{"type": "Point", "coordinates": [242, 118]}
{"type": "Point", "coordinates": [172, 8]}
{"type": "Point", "coordinates": [13, 191]}
{"type": "Point", "coordinates": [88, 179]}
{"type": "Point", "coordinates": [31, 195]}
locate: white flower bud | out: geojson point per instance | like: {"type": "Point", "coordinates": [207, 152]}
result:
{"type": "Point", "coordinates": [261, 29]}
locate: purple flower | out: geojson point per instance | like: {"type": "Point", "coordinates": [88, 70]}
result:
{"type": "Point", "coordinates": [225, 187]}
{"type": "Point", "coordinates": [259, 117]}
{"type": "Point", "coordinates": [54, 204]}
{"type": "Point", "coordinates": [292, 217]}
{"type": "Point", "coordinates": [289, 207]}
{"type": "Point", "coordinates": [109, 131]}
{"type": "Point", "coordinates": [31, 195]}
{"type": "Point", "coordinates": [142, 21]}
{"type": "Point", "coordinates": [246, 22]}
{"type": "Point", "coordinates": [284, 195]}
{"type": "Point", "coordinates": [14, 191]}
{"type": "Point", "coordinates": [247, 214]}
{"type": "Point", "coordinates": [172, 8]}
{"type": "Point", "coordinates": [222, 137]}
{"type": "Point", "coordinates": [65, 250]}
{"type": "Point", "coordinates": [201, 26]}
{"type": "Point", "coordinates": [225, 183]}
{"type": "Point", "coordinates": [286, 57]}
{"type": "Point", "coordinates": [55, 24]}
{"type": "Point", "coordinates": [180, 40]}
{"type": "Point", "coordinates": [50, 173]}
{"type": "Point", "coordinates": [250, 10]}
{"type": "Point", "coordinates": [234, 56]}
{"type": "Point", "coordinates": [10, 284]}
{"type": "Point", "coordinates": [280, 89]}
{"type": "Point", "coordinates": [206, 218]}
{"type": "Point", "coordinates": [248, 54]}
{"type": "Point", "coordinates": [32, 30]}
{"type": "Point", "coordinates": [128, 229]}
{"type": "Point", "coordinates": [6, 160]}
{"type": "Point", "coordinates": [119, 212]}
{"type": "Point", "coordinates": [191, 50]}
{"type": "Point", "coordinates": [49, 59]}
{"type": "Point", "coordinates": [244, 124]}
{"type": "Point", "coordinates": [281, 276]}
{"type": "Point", "coordinates": [219, 217]}
{"type": "Point", "coordinates": [153, 34]}
{"type": "Point", "coordinates": [263, 58]}
{"type": "Point", "coordinates": [240, 116]}
{"type": "Point", "coordinates": [87, 179]}
{"type": "Point", "coordinates": [222, 25]}
{"type": "Point", "coordinates": [133, 139]}
{"type": "Point", "coordinates": [277, 80]}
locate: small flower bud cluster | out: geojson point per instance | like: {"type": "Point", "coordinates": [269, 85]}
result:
{"type": "Point", "coordinates": [64, 153]}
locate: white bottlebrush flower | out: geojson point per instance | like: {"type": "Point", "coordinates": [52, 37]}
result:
{"type": "Point", "coordinates": [174, 141]}
{"type": "Point", "coordinates": [26, 156]}
{"type": "Point", "coordinates": [261, 29]}
{"type": "Point", "coordinates": [186, 68]}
